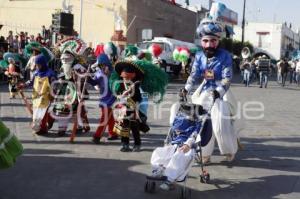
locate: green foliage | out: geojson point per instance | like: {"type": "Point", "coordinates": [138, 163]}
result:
{"type": "Point", "coordinates": [235, 46]}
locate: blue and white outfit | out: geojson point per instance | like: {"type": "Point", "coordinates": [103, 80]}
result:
{"type": "Point", "coordinates": [217, 74]}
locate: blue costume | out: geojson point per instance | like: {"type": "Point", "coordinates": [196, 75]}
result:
{"type": "Point", "coordinates": [217, 71]}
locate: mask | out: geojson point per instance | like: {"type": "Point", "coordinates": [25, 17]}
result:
{"type": "Point", "coordinates": [67, 69]}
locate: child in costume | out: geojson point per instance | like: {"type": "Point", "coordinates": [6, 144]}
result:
{"type": "Point", "coordinates": [125, 83]}
{"type": "Point", "coordinates": [10, 147]}
{"type": "Point", "coordinates": [102, 70]}
{"type": "Point", "coordinates": [13, 74]}
{"type": "Point", "coordinates": [64, 106]}
{"type": "Point", "coordinates": [41, 94]}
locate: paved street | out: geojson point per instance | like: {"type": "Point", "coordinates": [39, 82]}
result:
{"type": "Point", "coordinates": [51, 167]}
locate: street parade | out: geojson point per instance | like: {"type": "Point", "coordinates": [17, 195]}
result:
{"type": "Point", "coordinates": [174, 111]}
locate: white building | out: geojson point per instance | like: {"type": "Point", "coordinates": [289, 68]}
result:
{"type": "Point", "coordinates": [274, 39]}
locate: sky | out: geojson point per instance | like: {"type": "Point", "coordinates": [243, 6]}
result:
{"type": "Point", "coordinates": [278, 11]}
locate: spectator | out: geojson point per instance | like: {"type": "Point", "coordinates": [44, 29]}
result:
{"type": "Point", "coordinates": [10, 39]}
{"type": "Point", "coordinates": [39, 38]}
{"type": "Point", "coordinates": [292, 71]}
{"type": "Point", "coordinates": [16, 44]}
{"type": "Point", "coordinates": [284, 68]}
{"type": "Point", "coordinates": [22, 42]}
{"type": "Point", "coordinates": [297, 72]}
{"type": "Point", "coordinates": [263, 65]}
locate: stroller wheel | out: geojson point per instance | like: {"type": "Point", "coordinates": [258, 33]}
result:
{"type": "Point", "coordinates": [185, 193]}
{"type": "Point", "coordinates": [152, 187]}
{"type": "Point", "coordinates": [204, 178]}
{"type": "Point", "coordinates": [146, 186]}
{"type": "Point", "coordinates": [149, 187]}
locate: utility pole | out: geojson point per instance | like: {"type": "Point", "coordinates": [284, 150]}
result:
{"type": "Point", "coordinates": [243, 23]}
{"type": "Point", "coordinates": [80, 22]}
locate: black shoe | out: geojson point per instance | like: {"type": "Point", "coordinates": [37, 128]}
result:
{"type": "Point", "coordinates": [125, 148]}
{"type": "Point", "coordinates": [61, 133]}
{"type": "Point", "coordinates": [136, 148]}
{"type": "Point", "coordinates": [96, 140]}
{"type": "Point", "coordinates": [260, 87]}
{"type": "Point", "coordinates": [114, 137]}
{"type": "Point", "coordinates": [41, 132]}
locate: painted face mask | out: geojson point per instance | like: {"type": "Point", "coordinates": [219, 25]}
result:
{"type": "Point", "coordinates": [67, 61]}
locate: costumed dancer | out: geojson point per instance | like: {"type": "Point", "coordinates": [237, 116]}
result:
{"type": "Point", "coordinates": [100, 80]}
{"type": "Point", "coordinates": [125, 83]}
{"type": "Point", "coordinates": [132, 53]}
{"type": "Point", "coordinates": [10, 147]}
{"type": "Point", "coordinates": [75, 76]}
{"type": "Point", "coordinates": [64, 102]}
{"type": "Point", "coordinates": [215, 66]}
{"type": "Point", "coordinates": [32, 50]}
{"type": "Point", "coordinates": [112, 51]}
{"type": "Point", "coordinates": [41, 94]}
{"type": "Point", "coordinates": [13, 74]}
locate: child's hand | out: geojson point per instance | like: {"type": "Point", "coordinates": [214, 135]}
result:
{"type": "Point", "coordinates": [185, 148]}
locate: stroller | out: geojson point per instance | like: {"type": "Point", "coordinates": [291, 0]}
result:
{"type": "Point", "coordinates": [190, 121]}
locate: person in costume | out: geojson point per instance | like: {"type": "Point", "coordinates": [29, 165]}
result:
{"type": "Point", "coordinates": [125, 83]}
{"type": "Point", "coordinates": [31, 62]}
{"type": "Point", "coordinates": [72, 52]}
{"type": "Point", "coordinates": [41, 94]}
{"type": "Point", "coordinates": [10, 147]}
{"type": "Point", "coordinates": [13, 74]}
{"type": "Point", "coordinates": [112, 51]}
{"type": "Point", "coordinates": [214, 65]}
{"type": "Point", "coordinates": [102, 70]}
{"type": "Point", "coordinates": [133, 53]}
{"type": "Point", "coordinates": [67, 93]}
{"type": "Point", "coordinates": [63, 105]}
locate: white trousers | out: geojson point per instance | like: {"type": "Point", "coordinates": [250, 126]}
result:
{"type": "Point", "coordinates": [176, 163]}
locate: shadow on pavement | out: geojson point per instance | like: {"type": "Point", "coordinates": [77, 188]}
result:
{"type": "Point", "coordinates": [48, 177]}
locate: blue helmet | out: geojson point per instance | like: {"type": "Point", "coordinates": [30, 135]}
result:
{"type": "Point", "coordinates": [209, 27]}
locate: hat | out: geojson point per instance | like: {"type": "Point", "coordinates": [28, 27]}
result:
{"type": "Point", "coordinates": [131, 50]}
{"type": "Point", "coordinates": [153, 79]}
{"type": "Point", "coordinates": [41, 60]}
{"type": "Point", "coordinates": [129, 66]}
{"type": "Point", "coordinates": [209, 27]}
{"type": "Point", "coordinates": [103, 60]}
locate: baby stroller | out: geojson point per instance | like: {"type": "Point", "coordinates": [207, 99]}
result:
{"type": "Point", "coordinates": [191, 121]}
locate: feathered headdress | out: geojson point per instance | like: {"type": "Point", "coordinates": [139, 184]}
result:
{"type": "Point", "coordinates": [153, 79]}
{"type": "Point", "coordinates": [29, 48]}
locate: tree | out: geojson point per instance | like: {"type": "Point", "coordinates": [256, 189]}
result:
{"type": "Point", "coordinates": [235, 46]}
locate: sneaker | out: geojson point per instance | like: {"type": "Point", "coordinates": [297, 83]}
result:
{"type": "Point", "coordinates": [114, 137]}
{"type": "Point", "coordinates": [167, 186]}
{"type": "Point", "coordinates": [136, 148]}
{"type": "Point", "coordinates": [125, 148]}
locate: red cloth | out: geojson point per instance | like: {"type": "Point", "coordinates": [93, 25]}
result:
{"type": "Point", "coordinates": [106, 119]}
{"type": "Point", "coordinates": [173, 2]}
{"type": "Point", "coordinates": [99, 50]}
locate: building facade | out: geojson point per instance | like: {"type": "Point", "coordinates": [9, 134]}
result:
{"type": "Point", "coordinates": [275, 39]}
{"type": "Point", "coordinates": [100, 18]}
